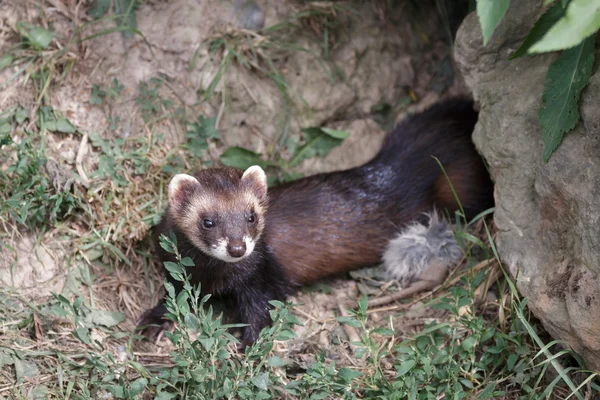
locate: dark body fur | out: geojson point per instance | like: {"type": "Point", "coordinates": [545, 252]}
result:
{"type": "Point", "coordinates": [332, 223]}
{"type": "Point", "coordinates": [328, 224]}
{"type": "Point", "coordinates": [247, 285]}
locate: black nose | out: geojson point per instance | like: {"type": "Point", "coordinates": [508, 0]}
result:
{"type": "Point", "coordinates": [236, 249]}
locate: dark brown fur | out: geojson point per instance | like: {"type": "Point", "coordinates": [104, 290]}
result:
{"type": "Point", "coordinates": [331, 223]}
{"type": "Point", "coordinates": [247, 285]}
{"type": "Point", "coordinates": [327, 224]}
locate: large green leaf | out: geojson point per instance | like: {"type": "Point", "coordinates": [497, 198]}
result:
{"type": "Point", "coordinates": [490, 13]}
{"type": "Point", "coordinates": [126, 17]}
{"type": "Point", "coordinates": [6, 60]}
{"type": "Point", "coordinates": [38, 37]}
{"type": "Point", "coordinates": [238, 157]}
{"type": "Point", "coordinates": [104, 317]}
{"type": "Point", "coordinates": [581, 20]}
{"type": "Point", "coordinates": [98, 8]}
{"type": "Point", "coordinates": [319, 142]}
{"type": "Point", "coordinates": [566, 78]}
{"type": "Point", "coordinates": [541, 27]}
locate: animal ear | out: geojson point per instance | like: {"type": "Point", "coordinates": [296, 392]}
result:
{"type": "Point", "coordinates": [181, 187]}
{"type": "Point", "coordinates": [257, 179]}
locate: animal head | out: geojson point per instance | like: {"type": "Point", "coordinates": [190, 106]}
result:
{"type": "Point", "coordinates": [220, 210]}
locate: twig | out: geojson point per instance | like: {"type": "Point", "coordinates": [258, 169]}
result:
{"type": "Point", "coordinates": [79, 159]}
{"type": "Point", "coordinates": [350, 331]}
{"type": "Point", "coordinates": [420, 286]}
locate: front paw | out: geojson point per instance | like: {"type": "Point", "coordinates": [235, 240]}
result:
{"type": "Point", "coordinates": [152, 323]}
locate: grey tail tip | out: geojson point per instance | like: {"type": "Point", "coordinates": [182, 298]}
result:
{"type": "Point", "coordinates": [419, 245]}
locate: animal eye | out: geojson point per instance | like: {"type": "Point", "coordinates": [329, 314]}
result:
{"type": "Point", "coordinates": [207, 223]}
{"type": "Point", "coordinates": [251, 218]}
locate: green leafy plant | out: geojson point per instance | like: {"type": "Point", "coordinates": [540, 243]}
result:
{"type": "Point", "coordinates": [120, 158]}
{"type": "Point", "coordinates": [209, 364]}
{"type": "Point", "coordinates": [31, 196]}
{"type": "Point", "coordinates": [151, 102]}
{"type": "Point", "coordinates": [101, 96]}
{"type": "Point", "coordinates": [569, 26]}
{"type": "Point", "coordinates": [124, 10]}
{"type": "Point", "coordinates": [199, 134]}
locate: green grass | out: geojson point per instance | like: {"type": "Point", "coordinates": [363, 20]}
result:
{"type": "Point", "coordinates": [465, 354]}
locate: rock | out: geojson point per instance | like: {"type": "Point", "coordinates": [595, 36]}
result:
{"type": "Point", "coordinates": [547, 214]}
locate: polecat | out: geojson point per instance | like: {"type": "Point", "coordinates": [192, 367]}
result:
{"type": "Point", "coordinates": [253, 245]}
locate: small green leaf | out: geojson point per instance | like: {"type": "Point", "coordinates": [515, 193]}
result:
{"type": "Point", "coordinates": [384, 332]}
{"type": "Point", "coordinates": [138, 386]}
{"type": "Point", "coordinates": [541, 27]}
{"type": "Point", "coordinates": [363, 304]}
{"type": "Point", "coordinates": [125, 10]}
{"type": "Point", "coordinates": [169, 287]}
{"type": "Point", "coordinates": [285, 334]}
{"type": "Point", "coordinates": [40, 392]}
{"type": "Point", "coordinates": [349, 321]}
{"type": "Point", "coordinates": [275, 362]}
{"type": "Point", "coordinates": [490, 13]}
{"type": "Point", "coordinates": [565, 79]}
{"type": "Point", "coordinates": [97, 95]}
{"type": "Point", "coordinates": [347, 374]}
{"type": "Point", "coordinates": [512, 360]}
{"type": "Point", "coordinates": [187, 262]}
{"type": "Point", "coordinates": [582, 19]}
{"type": "Point", "coordinates": [469, 343]}
{"type": "Point", "coordinates": [341, 135]}
{"type": "Point", "coordinates": [83, 335]}
{"type": "Point", "coordinates": [405, 367]}
{"type": "Point", "coordinates": [360, 351]}
{"type": "Point", "coordinates": [39, 37]}
{"type": "Point", "coordinates": [6, 60]}
{"type": "Point", "coordinates": [25, 369]}
{"type": "Point", "coordinates": [105, 318]}
{"type": "Point", "coordinates": [172, 267]}
{"type": "Point", "coordinates": [50, 125]}
{"type": "Point", "coordinates": [5, 126]}
{"type": "Point", "coordinates": [318, 143]}
{"type": "Point", "coordinates": [318, 287]}
{"type": "Point", "coordinates": [241, 158]}
{"type": "Point", "coordinates": [488, 392]}
{"type": "Point", "coordinates": [207, 343]}
{"type": "Point", "coordinates": [182, 299]}
{"type": "Point", "coordinates": [64, 126]}
{"type": "Point", "coordinates": [6, 359]}
{"type": "Point", "coordinates": [98, 8]}
{"type": "Point", "coordinates": [205, 128]}
{"type": "Point", "coordinates": [276, 303]}
{"type": "Point", "coordinates": [226, 386]}
{"type": "Point", "coordinates": [261, 381]}
{"type": "Point", "coordinates": [466, 383]}
{"type": "Point", "coordinates": [20, 115]}
{"type": "Point", "coordinates": [116, 390]}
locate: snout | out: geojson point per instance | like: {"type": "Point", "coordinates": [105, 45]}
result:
{"type": "Point", "coordinates": [236, 249]}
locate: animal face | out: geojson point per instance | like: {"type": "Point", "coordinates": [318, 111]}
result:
{"type": "Point", "coordinates": [220, 210]}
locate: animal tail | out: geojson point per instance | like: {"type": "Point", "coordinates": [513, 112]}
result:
{"type": "Point", "coordinates": [420, 245]}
